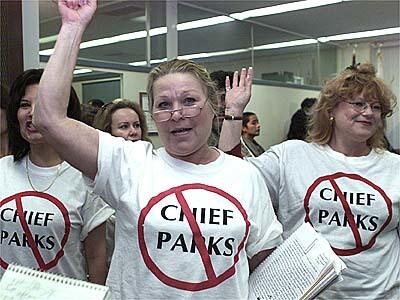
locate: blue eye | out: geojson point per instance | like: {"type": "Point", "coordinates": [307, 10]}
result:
{"type": "Point", "coordinates": [189, 101]}
{"type": "Point", "coordinates": [163, 105]}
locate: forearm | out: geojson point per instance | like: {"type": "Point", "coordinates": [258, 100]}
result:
{"type": "Point", "coordinates": [95, 249]}
{"type": "Point", "coordinates": [231, 131]}
{"type": "Point", "coordinates": [55, 84]}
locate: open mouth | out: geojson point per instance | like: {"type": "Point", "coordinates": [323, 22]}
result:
{"type": "Point", "coordinates": [30, 127]}
{"type": "Point", "coordinates": [181, 131]}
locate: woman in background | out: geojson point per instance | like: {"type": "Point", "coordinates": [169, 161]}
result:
{"type": "Point", "coordinates": [49, 218]}
{"type": "Point", "coordinates": [122, 118]}
{"type": "Point", "coordinates": [250, 129]}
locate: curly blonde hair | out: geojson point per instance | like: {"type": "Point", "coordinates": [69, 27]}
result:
{"type": "Point", "coordinates": [352, 82]}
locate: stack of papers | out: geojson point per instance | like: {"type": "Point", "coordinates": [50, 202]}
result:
{"type": "Point", "coordinates": [301, 268]}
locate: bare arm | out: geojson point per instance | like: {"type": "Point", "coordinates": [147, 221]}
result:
{"type": "Point", "coordinates": [73, 140]}
{"type": "Point", "coordinates": [95, 249]}
{"type": "Point", "coordinates": [236, 100]}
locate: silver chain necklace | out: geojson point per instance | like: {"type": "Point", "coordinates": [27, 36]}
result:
{"type": "Point", "coordinates": [30, 181]}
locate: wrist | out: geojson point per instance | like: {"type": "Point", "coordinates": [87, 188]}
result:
{"type": "Point", "coordinates": [233, 111]}
{"type": "Point", "coordinates": [233, 117]}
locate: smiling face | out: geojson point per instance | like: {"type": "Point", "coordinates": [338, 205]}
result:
{"type": "Point", "coordinates": [183, 137]}
{"type": "Point", "coordinates": [24, 115]}
{"type": "Point", "coordinates": [353, 124]}
{"type": "Point", "coordinates": [125, 123]}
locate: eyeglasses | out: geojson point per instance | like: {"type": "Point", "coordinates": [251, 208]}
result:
{"type": "Point", "coordinates": [186, 112]}
{"type": "Point", "coordinates": [361, 106]}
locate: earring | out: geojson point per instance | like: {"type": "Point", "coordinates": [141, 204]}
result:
{"type": "Point", "coordinates": [331, 119]}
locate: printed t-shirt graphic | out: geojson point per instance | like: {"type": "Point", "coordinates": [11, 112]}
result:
{"type": "Point", "coordinates": [189, 220]}
{"type": "Point", "coordinates": [349, 210]}
{"type": "Point", "coordinates": [41, 230]}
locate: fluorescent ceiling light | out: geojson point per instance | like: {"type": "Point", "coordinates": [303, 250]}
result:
{"type": "Point", "coordinates": [282, 8]}
{"type": "Point", "coordinates": [144, 63]}
{"type": "Point", "coordinates": [82, 71]}
{"type": "Point", "coordinates": [48, 39]}
{"type": "Point", "coordinates": [360, 35]}
{"type": "Point", "coordinates": [286, 44]}
{"type": "Point", "coordinates": [114, 39]}
{"type": "Point", "coordinates": [277, 9]}
{"type": "Point", "coordinates": [204, 23]}
{"type": "Point", "coordinates": [211, 54]}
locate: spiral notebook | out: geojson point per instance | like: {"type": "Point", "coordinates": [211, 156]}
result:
{"type": "Point", "coordinates": [23, 283]}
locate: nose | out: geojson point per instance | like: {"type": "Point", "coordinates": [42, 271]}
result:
{"type": "Point", "coordinates": [177, 114]}
{"type": "Point", "coordinates": [133, 131]}
{"type": "Point", "coordinates": [368, 111]}
{"type": "Point", "coordinates": [32, 109]}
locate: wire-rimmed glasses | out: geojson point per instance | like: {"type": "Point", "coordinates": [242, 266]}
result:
{"type": "Point", "coordinates": [186, 112]}
{"type": "Point", "coordinates": [362, 106]}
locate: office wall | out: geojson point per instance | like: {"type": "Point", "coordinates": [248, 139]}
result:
{"type": "Point", "coordinates": [274, 107]}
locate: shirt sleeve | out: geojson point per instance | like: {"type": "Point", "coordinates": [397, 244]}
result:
{"type": "Point", "coordinates": [120, 164]}
{"type": "Point", "coordinates": [265, 229]}
{"type": "Point", "coordinates": [94, 213]}
{"type": "Point", "coordinates": [269, 165]}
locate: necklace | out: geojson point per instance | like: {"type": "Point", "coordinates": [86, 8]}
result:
{"type": "Point", "coordinates": [30, 181]}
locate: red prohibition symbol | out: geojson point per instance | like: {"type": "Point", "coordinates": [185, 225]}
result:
{"type": "Point", "coordinates": [359, 246]}
{"type": "Point", "coordinates": [212, 279]}
{"type": "Point", "coordinates": [39, 196]}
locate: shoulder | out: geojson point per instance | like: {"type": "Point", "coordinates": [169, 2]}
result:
{"type": "Point", "coordinates": [238, 164]}
{"type": "Point", "coordinates": [290, 146]}
{"type": "Point", "coordinates": [7, 162]}
{"type": "Point", "coordinates": [388, 156]}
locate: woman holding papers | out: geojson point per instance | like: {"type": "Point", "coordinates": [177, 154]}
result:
{"type": "Point", "coordinates": [49, 219]}
{"type": "Point", "coordinates": [344, 181]}
{"type": "Point", "coordinates": [187, 227]}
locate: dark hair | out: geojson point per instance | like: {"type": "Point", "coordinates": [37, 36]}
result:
{"type": "Point", "coordinates": [5, 99]}
{"type": "Point", "coordinates": [103, 117]}
{"type": "Point", "coordinates": [299, 120]}
{"type": "Point", "coordinates": [307, 103]}
{"type": "Point", "coordinates": [219, 78]}
{"type": "Point", "coordinates": [18, 146]}
{"type": "Point", "coordinates": [96, 103]}
{"type": "Point", "coordinates": [246, 117]}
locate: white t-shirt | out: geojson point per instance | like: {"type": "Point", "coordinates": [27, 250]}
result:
{"type": "Point", "coordinates": [353, 201]}
{"type": "Point", "coordinates": [56, 222]}
{"type": "Point", "coordinates": [162, 249]}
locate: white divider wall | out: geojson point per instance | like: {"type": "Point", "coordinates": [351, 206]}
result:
{"type": "Point", "coordinates": [274, 107]}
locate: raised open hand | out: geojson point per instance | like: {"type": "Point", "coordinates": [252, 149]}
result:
{"type": "Point", "coordinates": [78, 12]}
{"type": "Point", "coordinates": [237, 96]}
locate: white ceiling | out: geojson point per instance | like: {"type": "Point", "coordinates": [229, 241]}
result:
{"type": "Point", "coordinates": [118, 17]}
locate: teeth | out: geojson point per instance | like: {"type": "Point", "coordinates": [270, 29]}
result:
{"type": "Point", "coordinates": [180, 130]}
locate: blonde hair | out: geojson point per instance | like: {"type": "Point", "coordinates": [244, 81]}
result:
{"type": "Point", "coordinates": [103, 117]}
{"type": "Point", "coordinates": [184, 66]}
{"type": "Point", "coordinates": [352, 82]}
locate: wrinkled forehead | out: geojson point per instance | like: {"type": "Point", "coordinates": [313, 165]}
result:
{"type": "Point", "coordinates": [178, 84]}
